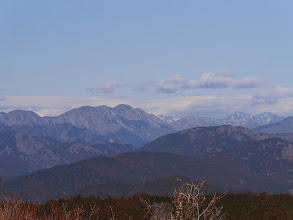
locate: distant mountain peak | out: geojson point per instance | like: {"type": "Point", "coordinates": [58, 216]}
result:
{"type": "Point", "coordinates": [20, 117]}
{"type": "Point", "coordinates": [17, 111]}
{"type": "Point", "coordinates": [123, 122]}
{"type": "Point", "coordinates": [269, 115]}
{"type": "Point", "coordinates": [124, 106]}
{"type": "Point", "coordinates": [238, 115]}
{"type": "Point", "coordinates": [266, 114]}
{"type": "Point", "coordinates": [84, 107]}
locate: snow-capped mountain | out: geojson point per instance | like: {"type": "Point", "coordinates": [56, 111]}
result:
{"type": "Point", "coordinates": [167, 119]}
{"type": "Point", "coordinates": [235, 119]}
{"type": "Point", "coordinates": [253, 121]}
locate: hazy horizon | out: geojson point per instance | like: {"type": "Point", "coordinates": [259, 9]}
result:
{"type": "Point", "coordinates": [186, 114]}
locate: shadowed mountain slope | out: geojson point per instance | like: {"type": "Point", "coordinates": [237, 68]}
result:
{"type": "Point", "coordinates": [284, 126]}
{"type": "Point", "coordinates": [60, 132]}
{"type": "Point", "coordinates": [21, 153]}
{"type": "Point", "coordinates": [133, 168]}
{"type": "Point", "coordinates": [224, 156]}
{"type": "Point", "coordinates": [262, 154]}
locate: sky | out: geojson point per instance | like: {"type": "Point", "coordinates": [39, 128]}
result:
{"type": "Point", "coordinates": [177, 58]}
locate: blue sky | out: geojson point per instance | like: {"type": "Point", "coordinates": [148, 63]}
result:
{"type": "Point", "coordinates": [205, 58]}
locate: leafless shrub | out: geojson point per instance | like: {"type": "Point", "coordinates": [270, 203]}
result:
{"type": "Point", "coordinates": [112, 213]}
{"type": "Point", "coordinates": [13, 208]}
{"type": "Point", "coordinates": [159, 211]}
{"type": "Point", "coordinates": [189, 203]}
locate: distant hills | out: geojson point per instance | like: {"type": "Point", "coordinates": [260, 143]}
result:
{"type": "Point", "coordinates": [133, 168]}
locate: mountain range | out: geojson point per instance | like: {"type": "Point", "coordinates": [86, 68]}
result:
{"type": "Point", "coordinates": [227, 157]}
{"type": "Point", "coordinates": [51, 151]}
{"type": "Point", "coordinates": [122, 124]}
{"type": "Point", "coordinates": [236, 119]}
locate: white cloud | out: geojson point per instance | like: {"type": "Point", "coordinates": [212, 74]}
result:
{"type": "Point", "coordinates": [248, 82]}
{"type": "Point", "coordinates": [273, 97]}
{"type": "Point", "coordinates": [106, 87]}
{"type": "Point", "coordinates": [207, 80]}
{"type": "Point", "coordinates": [175, 83]}
{"type": "Point", "coordinates": [212, 80]}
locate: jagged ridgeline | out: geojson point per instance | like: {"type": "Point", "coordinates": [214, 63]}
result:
{"type": "Point", "coordinates": [121, 123]}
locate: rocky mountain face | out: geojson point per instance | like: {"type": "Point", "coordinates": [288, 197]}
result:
{"type": "Point", "coordinates": [21, 153]}
{"type": "Point", "coordinates": [21, 117]}
{"type": "Point", "coordinates": [236, 119]}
